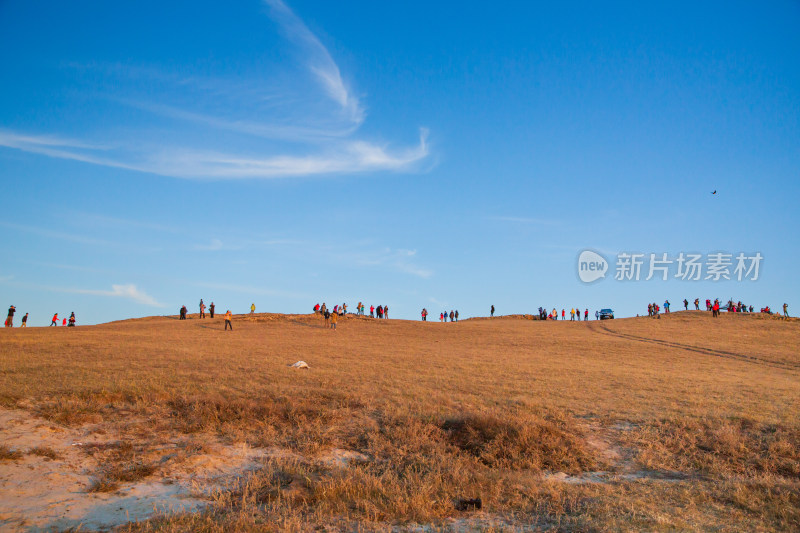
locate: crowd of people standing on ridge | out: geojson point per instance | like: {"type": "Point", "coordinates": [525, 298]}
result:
{"type": "Point", "coordinates": [211, 311]}
{"type": "Point", "coordinates": [382, 311]}
{"type": "Point", "coordinates": [574, 314]}
{"type": "Point", "coordinates": [54, 322]}
{"type": "Point", "coordinates": [443, 316]}
{"type": "Point", "coordinates": [654, 310]}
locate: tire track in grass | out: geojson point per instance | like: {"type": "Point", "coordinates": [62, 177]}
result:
{"type": "Point", "coordinates": [605, 330]}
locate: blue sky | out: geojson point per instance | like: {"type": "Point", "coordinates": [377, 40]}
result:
{"type": "Point", "coordinates": [442, 155]}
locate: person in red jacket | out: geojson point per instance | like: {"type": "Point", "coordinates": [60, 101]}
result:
{"type": "Point", "coordinates": [372, 311]}
{"type": "Point", "coordinates": [55, 320]}
{"type": "Point", "coordinates": [563, 314]}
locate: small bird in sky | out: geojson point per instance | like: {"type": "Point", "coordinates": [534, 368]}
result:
{"type": "Point", "coordinates": [715, 192]}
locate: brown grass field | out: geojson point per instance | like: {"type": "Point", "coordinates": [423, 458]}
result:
{"type": "Point", "coordinates": [679, 424]}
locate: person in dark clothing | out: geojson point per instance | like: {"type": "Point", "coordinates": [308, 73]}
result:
{"type": "Point", "coordinates": [492, 311]}
{"type": "Point", "coordinates": [685, 304]}
{"type": "Point", "coordinates": [456, 315]}
{"type": "Point", "coordinates": [451, 315]}
{"type": "Point", "coordinates": [71, 320]}
{"type": "Point", "coordinates": [183, 313]}
{"type": "Point", "coordinates": [211, 310]}
{"type": "Point", "coordinates": [10, 319]}
{"type": "Point", "coordinates": [25, 321]}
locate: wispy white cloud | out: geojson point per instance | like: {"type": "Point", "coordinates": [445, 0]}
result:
{"type": "Point", "coordinates": [438, 302]}
{"type": "Point", "coordinates": [253, 291]}
{"type": "Point", "coordinates": [291, 132]}
{"type": "Point", "coordinates": [348, 157]}
{"type": "Point", "coordinates": [314, 141]}
{"type": "Point", "coordinates": [399, 260]}
{"type": "Point", "coordinates": [126, 291]}
{"type": "Point", "coordinates": [214, 246]}
{"type": "Point", "coordinates": [94, 219]}
{"type": "Point", "coordinates": [78, 238]}
{"type": "Point", "coordinates": [524, 220]}
{"type": "Point", "coordinates": [129, 292]}
{"type": "Point", "coordinates": [319, 60]}
{"type": "Point", "coordinates": [43, 232]}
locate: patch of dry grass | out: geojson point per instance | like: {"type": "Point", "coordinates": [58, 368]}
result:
{"type": "Point", "coordinates": [7, 454]}
{"type": "Point", "coordinates": [121, 463]}
{"type": "Point", "coordinates": [44, 451]}
{"type": "Point", "coordinates": [720, 448]}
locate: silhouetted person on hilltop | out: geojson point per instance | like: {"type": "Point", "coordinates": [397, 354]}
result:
{"type": "Point", "coordinates": [25, 321]}
{"type": "Point", "coordinates": [183, 313]}
{"type": "Point", "coordinates": [697, 304]}
{"type": "Point", "coordinates": [211, 310]}
{"type": "Point", "coordinates": [786, 310]}
{"type": "Point", "coordinates": [12, 310]}
{"type": "Point", "coordinates": [685, 304]}
{"type": "Point", "coordinates": [456, 315]}
{"type": "Point", "coordinates": [491, 313]}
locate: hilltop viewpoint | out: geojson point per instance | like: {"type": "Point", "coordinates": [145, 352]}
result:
{"type": "Point", "coordinates": [682, 423]}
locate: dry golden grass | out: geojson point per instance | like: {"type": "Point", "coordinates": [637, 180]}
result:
{"type": "Point", "coordinates": [694, 423]}
{"type": "Point", "coordinates": [7, 454]}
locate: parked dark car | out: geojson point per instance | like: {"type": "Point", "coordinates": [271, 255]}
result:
{"type": "Point", "coordinates": [606, 313]}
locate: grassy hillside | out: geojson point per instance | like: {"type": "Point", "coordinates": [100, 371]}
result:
{"type": "Point", "coordinates": [685, 422]}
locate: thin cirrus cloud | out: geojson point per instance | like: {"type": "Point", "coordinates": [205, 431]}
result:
{"type": "Point", "coordinates": [319, 60]}
{"type": "Point", "coordinates": [125, 291]}
{"type": "Point", "coordinates": [130, 292]}
{"type": "Point", "coordinates": [320, 142]}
